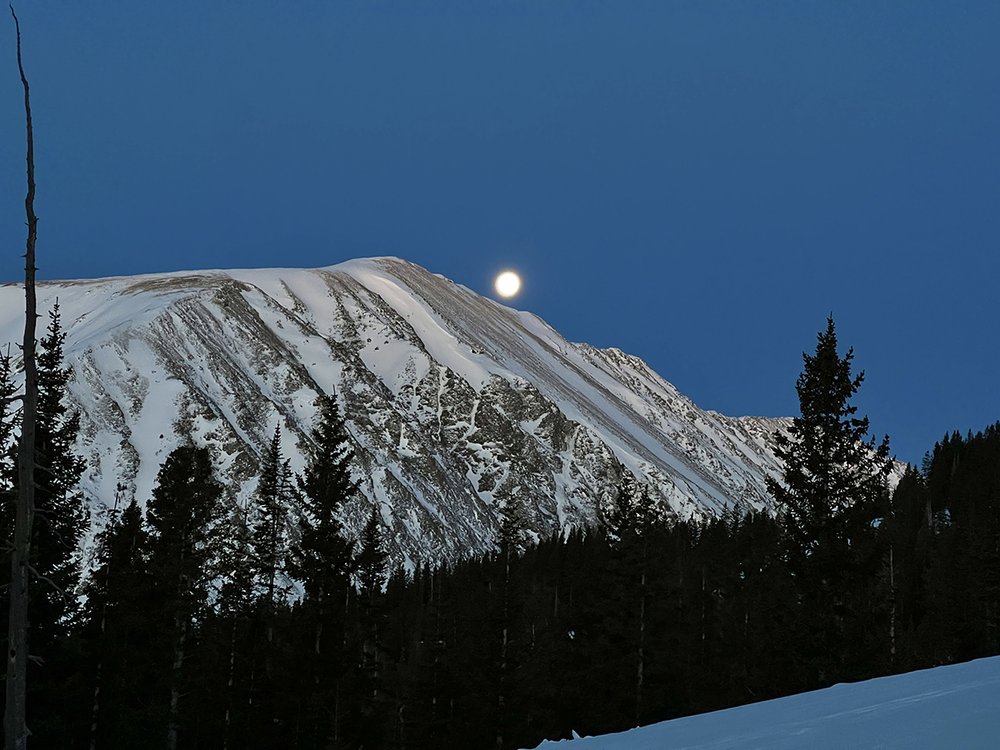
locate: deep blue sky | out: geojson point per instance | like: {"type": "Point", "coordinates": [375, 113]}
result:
{"type": "Point", "coordinates": [699, 183]}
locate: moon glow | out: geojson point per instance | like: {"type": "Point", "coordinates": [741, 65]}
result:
{"type": "Point", "coordinates": [507, 284]}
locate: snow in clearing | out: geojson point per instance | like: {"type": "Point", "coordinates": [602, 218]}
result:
{"type": "Point", "coordinates": [947, 707]}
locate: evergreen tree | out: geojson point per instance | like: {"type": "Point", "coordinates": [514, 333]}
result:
{"type": "Point", "coordinates": [761, 611]}
{"type": "Point", "coordinates": [629, 525]}
{"type": "Point", "coordinates": [371, 561]}
{"type": "Point", "coordinates": [372, 557]}
{"type": "Point", "coordinates": [432, 687]}
{"type": "Point", "coordinates": [119, 632]}
{"type": "Point", "coordinates": [60, 518]}
{"type": "Point", "coordinates": [184, 518]}
{"type": "Point", "coordinates": [232, 626]}
{"type": "Point", "coordinates": [832, 499]}
{"type": "Point", "coordinates": [274, 499]}
{"type": "Point", "coordinates": [60, 513]}
{"type": "Point", "coordinates": [630, 514]}
{"type": "Point", "coordinates": [324, 561]}
{"type": "Point", "coordinates": [963, 581]}
{"type": "Point", "coordinates": [507, 607]}
{"type": "Point", "coordinates": [909, 536]}
{"type": "Point", "coordinates": [268, 551]}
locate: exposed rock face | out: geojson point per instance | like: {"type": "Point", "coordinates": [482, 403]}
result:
{"type": "Point", "coordinates": [453, 401]}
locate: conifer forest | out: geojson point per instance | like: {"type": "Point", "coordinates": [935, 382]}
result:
{"type": "Point", "coordinates": [259, 611]}
{"type": "Point", "coordinates": [201, 623]}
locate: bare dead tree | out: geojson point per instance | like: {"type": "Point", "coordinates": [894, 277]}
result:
{"type": "Point", "coordinates": [15, 721]}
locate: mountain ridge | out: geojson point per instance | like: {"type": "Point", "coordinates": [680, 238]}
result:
{"type": "Point", "coordinates": [454, 402]}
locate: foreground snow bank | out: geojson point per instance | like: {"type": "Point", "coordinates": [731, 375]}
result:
{"type": "Point", "coordinates": [946, 707]}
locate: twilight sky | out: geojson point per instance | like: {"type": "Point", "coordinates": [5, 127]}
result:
{"type": "Point", "coordinates": [696, 182]}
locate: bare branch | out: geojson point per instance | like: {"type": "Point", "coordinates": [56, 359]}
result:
{"type": "Point", "coordinates": [55, 586]}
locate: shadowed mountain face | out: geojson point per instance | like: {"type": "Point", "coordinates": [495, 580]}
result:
{"type": "Point", "coordinates": [454, 403]}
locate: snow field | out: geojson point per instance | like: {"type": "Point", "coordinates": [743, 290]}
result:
{"type": "Point", "coordinates": [946, 708]}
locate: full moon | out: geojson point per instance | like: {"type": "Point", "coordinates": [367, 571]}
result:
{"type": "Point", "coordinates": [507, 284]}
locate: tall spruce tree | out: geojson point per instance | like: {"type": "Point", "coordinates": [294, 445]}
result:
{"type": "Point", "coordinates": [60, 513]}
{"type": "Point", "coordinates": [629, 525]}
{"type": "Point", "coordinates": [832, 498]}
{"type": "Point", "coordinates": [234, 618]}
{"type": "Point", "coordinates": [372, 557]}
{"type": "Point", "coordinates": [184, 518]}
{"type": "Point", "coordinates": [323, 559]}
{"type": "Point", "coordinates": [118, 632]}
{"type": "Point", "coordinates": [371, 561]}
{"type": "Point", "coordinates": [274, 499]}
{"type": "Point", "coordinates": [59, 520]}
{"type": "Point", "coordinates": [512, 541]}
{"type": "Point", "coordinates": [910, 534]}
{"type": "Point", "coordinates": [269, 542]}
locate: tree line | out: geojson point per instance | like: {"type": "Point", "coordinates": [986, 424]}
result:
{"type": "Point", "coordinates": [205, 623]}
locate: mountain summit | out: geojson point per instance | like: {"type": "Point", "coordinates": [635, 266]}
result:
{"type": "Point", "coordinates": [454, 403]}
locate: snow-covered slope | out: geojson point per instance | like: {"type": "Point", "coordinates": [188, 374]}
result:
{"type": "Point", "coordinates": [454, 402]}
{"type": "Point", "coordinates": [946, 708]}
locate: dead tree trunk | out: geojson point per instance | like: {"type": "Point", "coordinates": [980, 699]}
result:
{"type": "Point", "coordinates": [15, 722]}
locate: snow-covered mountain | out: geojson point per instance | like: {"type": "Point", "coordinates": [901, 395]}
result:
{"type": "Point", "coordinates": [944, 707]}
{"type": "Point", "coordinates": [454, 402]}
